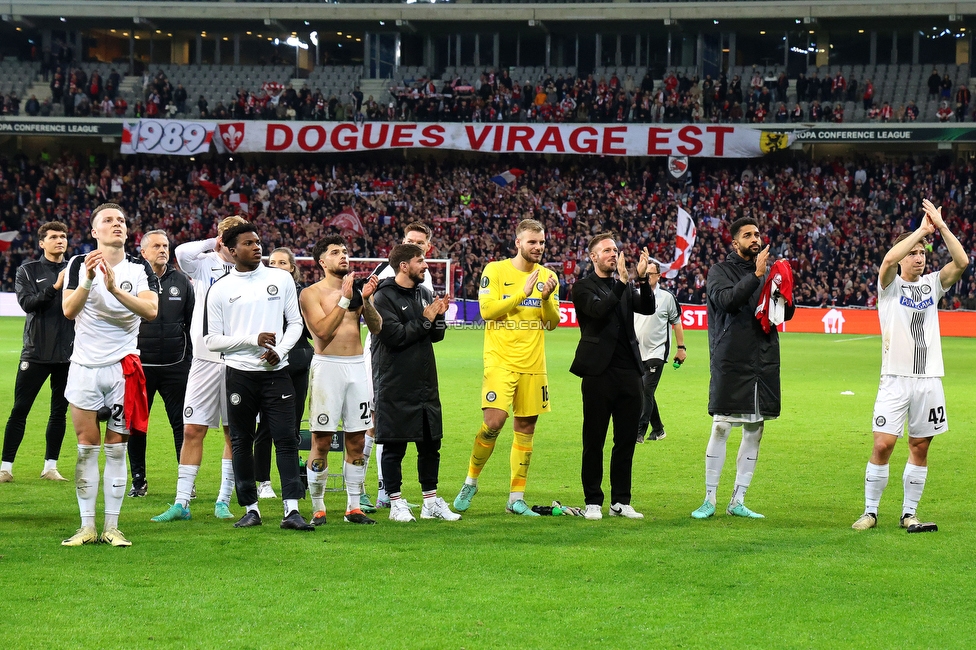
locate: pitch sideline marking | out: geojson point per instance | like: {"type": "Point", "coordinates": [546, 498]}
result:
{"type": "Point", "coordinates": [859, 338]}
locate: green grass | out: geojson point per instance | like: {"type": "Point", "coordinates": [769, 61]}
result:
{"type": "Point", "coordinates": [800, 578]}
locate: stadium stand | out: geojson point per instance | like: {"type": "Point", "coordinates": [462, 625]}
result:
{"type": "Point", "coordinates": [833, 220]}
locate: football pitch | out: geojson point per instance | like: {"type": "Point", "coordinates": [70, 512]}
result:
{"type": "Point", "coordinates": [801, 578]}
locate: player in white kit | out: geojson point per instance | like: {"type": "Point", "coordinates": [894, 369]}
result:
{"type": "Point", "coordinates": [418, 234]}
{"type": "Point", "coordinates": [107, 294]}
{"type": "Point", "coordinates": [205, 406]}
{"type": "Point", "coordinates": [911, 364]}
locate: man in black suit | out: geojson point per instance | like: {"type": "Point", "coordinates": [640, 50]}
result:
{"type": "Point", "coordinates": [608, 359]}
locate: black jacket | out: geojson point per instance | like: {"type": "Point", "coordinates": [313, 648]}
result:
{"type": "Point", "coordinates": [48, 335]}
{"type": "Point", "coordinates": [600, 312]}
{"type": "Point", "coordinates": [744, 359]}
{"type": "Point", "coordinates": [404, 371]}
{"type": "Point", "coordinates": [166, 340]}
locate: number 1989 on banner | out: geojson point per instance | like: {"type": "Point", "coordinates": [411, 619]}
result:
{"type": "Point", "coordinates": [170, 137]}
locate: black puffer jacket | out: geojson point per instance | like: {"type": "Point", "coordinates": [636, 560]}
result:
{"type": "Point", "coordinates": [404, 370]}
{"type": "Point", "coordinates": [166, 340]}
{"type": "Point", "coordinates": [744, 359]}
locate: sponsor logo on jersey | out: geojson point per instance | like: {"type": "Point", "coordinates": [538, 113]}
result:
{"type": "Point", "coordinates": [531, 302]}
{"type": "Point", "coordinates": [272, 290]}
{"type": "Point", "coordinates": [921, 305]}
{"type": "Point", "coordinates": [174, 291]}
{"type": "Point", "coordinates": [188, 411]}
{"type": "Point", "coordinates": [491, 396]}
{"type": "Point", "coordinates": [235, 399]}
{"type": "Point", "coordinates": [880, 421]}
{"type": "Point", "coordinates": [126, 286]}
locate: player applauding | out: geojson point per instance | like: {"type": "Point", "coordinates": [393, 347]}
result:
{"type": "Point", "coordinates": [911, 364]}
{"type": "Point", "coordinates": [518, 301]}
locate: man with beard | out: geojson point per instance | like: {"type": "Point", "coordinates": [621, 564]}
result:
{"type": "Point", "coordinates": [338, 379]}
{"type": "Point", "coordinates": [408, 405]}
{"type": "Point", "coordinates": [744, 388]}
{"type": "Point", "coordinates": [518, 303]}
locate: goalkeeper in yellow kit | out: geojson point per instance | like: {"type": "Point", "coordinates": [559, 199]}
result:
{"type": "Point", "coordinates": [518, 302]}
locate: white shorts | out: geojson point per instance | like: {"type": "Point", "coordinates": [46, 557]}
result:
{"type": "Point", "coordinates": [919, 400]}
{"type": "Point", "coordinates": [205, 403]}
{"type": "Point", "coordinates": [340, 393]}
{"type": "Point", "coordinates": [738, 419]}
{"type": "Point", "coordinates": [368, 361]}
{"type": "Point", "coordinates": [92, 388]}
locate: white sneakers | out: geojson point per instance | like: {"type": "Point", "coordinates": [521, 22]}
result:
{"type": "Point", "coordinates": [400, 511]}
{"type": "Point", "coordinates": [54, 475]}
{"type": "Point", "coordinates": [621, 510]}
{"type": "Point", "coordinates": [265, 491]}
{"type": "Point", "coordinates": [438, 510]}
{"type": "Point", "coordinates": [593, 512]}
{"type": "Point", "coordinates": [6, 477]}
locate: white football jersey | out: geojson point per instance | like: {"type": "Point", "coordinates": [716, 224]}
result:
{"type": "Point", "coordinates": [909, 314]}
{"type": "Point", "coordinates": [204, 266]}
{"type": "Point", "coordinates": [654, 330]}
{"type": "Point", "coordinates": [105, 330]}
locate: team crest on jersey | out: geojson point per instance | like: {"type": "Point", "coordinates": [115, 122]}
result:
{"type": "Point", "coordinates": [484, 281]}
{"type": "Point", "coordinates": [188, 411]}
{"type": "Point", "coordinates": [926, 289]}
{"type": "Point", "coordinates": [540, 286]}
{"type": "Point", "coordinates": [235, 399]}
{"type": "Point", "coordinates": [126, 286]}
{"type": "Point", "coordinates": [322, 418]}
{"type": "Point", "coordinates": [174, 291]}
{"type": "Point", "coordinates": [24, 365]}
{"type": "Point", "coordinates": [272, 290]}
{"type": "Point", "coordinates": [491, 396]}
{"type": "Point", "coordinates": [880, 421]}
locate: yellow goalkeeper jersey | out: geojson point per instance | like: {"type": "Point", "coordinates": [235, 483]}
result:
{"type": "Point", "coordinates": [515, 323]}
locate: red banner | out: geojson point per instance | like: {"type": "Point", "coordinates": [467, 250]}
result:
{"type": "Point", "coordinates": [812, 320]}
{"type": "Point", "coordinates": [705, 140]}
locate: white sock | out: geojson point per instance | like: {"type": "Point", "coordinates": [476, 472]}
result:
{"type": "Point", "coordinates": [290, 505]}
{"type": "Point", "coordinates": [226, 480]}
{"type": "Point", "coordinates": [471, 481]}
{"type": "Point", "coordinates": [354, 475]}
{"type": "Point", "coordinates": [9, 467]}
{"type": "Point", "coordinates": [86, 482]}
{"type": "Point", "coordinates": [49, 463]}
{"type": "Point", "coordinates": [715, 458]}
{"type": "Point", "coordinates": [113, 483]}
{"type": "Point", "coordinates": [914, 481]}
{"type": "Point", "coordinates": [430, 497]}
{"type": "Point", "coordinates": [186, 476]}
{"type": "Point", "coordinates": [875, 481]}
{"type": "Point", "coordinates": [380, 486]}
{"type": "Point", "coordinates": [316, 483]}
{"type": "Point", "coordinates": [368, 443]}
{"type": "Point", "coordinates": [254, 508]}
{"type": "Point", "coordinates": [745, 462]}
{"type": "Point", "coordinates": [515, 496]}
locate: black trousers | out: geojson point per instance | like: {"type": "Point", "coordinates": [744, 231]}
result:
{"type": "Point", "coordinates": [428, 462]}
{"type": "Point", "coordinates": [616, 395]}
{"type": "Point", "coordinates": [273, 396]}
{"type": "Point", "coordinates": [28, 384]}
{"type": "Point", "coordinates": [262, 440]}
{"type": "Point", "coordinates": [170, 383]}
{"type": "Point", "coordinates": [650, 415]}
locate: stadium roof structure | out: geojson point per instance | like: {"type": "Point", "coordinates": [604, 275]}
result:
{"type": "Point", "coordinates": [468, 10]}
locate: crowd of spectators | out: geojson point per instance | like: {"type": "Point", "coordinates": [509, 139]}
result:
{"type": "Point", "coordinates": [496, 97]}
{"type": "Point", "coordinates": [833, 220]}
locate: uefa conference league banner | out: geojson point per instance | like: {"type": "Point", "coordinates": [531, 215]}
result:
{"type": "Point", "coordinates": [175, 137]}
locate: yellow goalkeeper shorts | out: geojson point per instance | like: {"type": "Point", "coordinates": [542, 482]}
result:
{"type": "Point", "coordinates": [503, 389]}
